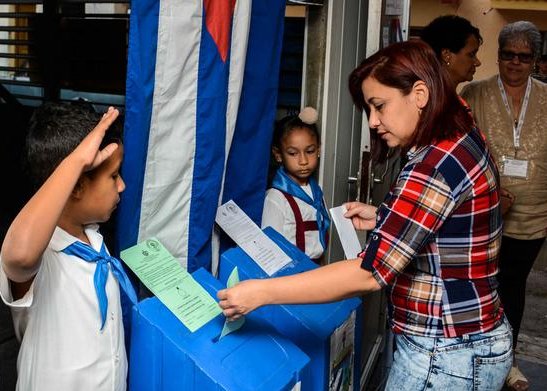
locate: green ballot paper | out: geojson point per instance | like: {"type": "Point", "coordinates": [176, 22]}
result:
{"type": "Point", "coordinates": [231, 326]}
{"type": "Point", "coordinates": [160, 272]}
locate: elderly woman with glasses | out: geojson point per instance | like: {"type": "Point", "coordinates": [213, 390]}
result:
{"type": "Point", "coordinates": [511, 109]}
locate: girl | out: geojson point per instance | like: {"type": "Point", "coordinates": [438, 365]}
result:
{"type": "Point", "coordinates": [294, 206]}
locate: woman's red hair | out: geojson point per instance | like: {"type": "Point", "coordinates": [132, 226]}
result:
{"type": "Point", "coordinates": [399, 66]}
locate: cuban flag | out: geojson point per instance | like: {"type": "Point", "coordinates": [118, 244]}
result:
{"type": "Point", "coordinates": [201, 97]}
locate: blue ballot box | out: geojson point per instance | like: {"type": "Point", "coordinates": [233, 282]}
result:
{"type": "Point", "coordinates": [330, 334]}
{"type": "Point", "coordinates": [165, 355]}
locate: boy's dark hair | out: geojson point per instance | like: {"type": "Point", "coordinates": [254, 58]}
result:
{"type": "Point", "coordinates": [55, 130]}
{"type": "Point", "coordinates": [288, 123]}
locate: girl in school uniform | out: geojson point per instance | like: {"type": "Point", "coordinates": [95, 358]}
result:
{"type": "Point", "coordinates": [294, 204]}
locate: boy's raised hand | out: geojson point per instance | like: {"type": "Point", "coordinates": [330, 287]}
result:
{"type": "Point", "coordinates": [88, 150]}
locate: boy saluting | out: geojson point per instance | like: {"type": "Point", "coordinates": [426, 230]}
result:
{"type": "Point", "coordinates": [64, 289]}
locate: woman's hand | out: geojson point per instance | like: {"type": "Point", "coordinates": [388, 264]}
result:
{"type": "Point", "coordinates": [363, 216]}
{"type": "Point", "coordinates": [333, 282]}
{"type": "Point", "coordinates": [506, 200]}
{"type": "Point", "coordinates": [242, 298]}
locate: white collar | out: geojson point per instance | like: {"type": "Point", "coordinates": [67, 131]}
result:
{"type": "Point", "coordinates": [62, 239]}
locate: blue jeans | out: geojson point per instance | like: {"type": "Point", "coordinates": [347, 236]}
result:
{"type": "Point", "coordinates": [470, 362]}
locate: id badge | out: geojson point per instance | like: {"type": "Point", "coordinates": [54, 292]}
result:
{"type": "Point", "coordinates": [516, 168]}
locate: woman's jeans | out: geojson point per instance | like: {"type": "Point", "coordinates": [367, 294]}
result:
{"type": "Point", "coordinates": [470, 362]}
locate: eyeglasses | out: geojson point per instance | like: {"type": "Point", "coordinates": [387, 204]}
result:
{"type": "Point", "coordinates": [507, 55]}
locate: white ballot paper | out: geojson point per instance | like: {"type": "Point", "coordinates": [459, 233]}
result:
{"type": "Point", "coordinates": [250, 238]}
{"type": "Point", "coordinates": [346, 232]}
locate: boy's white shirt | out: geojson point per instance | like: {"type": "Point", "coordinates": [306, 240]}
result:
{"type": "Point", "coordinates": [58, 323]}
{"type": "Point", "coordinates": [278, 214]}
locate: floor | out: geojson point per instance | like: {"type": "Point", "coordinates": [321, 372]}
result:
{"type": "Point", "coordinates": [532, 344]}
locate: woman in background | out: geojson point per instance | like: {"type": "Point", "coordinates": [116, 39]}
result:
{"type": "Point", "coordinates": [456, 42]}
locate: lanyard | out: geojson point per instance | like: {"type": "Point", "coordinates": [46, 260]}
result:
{"type": "Point", "coordinates": [517, 127]}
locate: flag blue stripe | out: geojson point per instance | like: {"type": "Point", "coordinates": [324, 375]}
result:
{"type": "Point", "coordinates": [210, 150]}
{"type": "Point", "coordinates": [247, 166]}
{"type": "Point", "coordinates": [143, 33]}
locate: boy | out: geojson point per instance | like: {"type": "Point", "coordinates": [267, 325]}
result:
{"type": "Point", "coordinates": [56, 274]}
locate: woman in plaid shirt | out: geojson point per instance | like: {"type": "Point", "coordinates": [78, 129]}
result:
{"type": "Point", "coordinates": [435, 239]}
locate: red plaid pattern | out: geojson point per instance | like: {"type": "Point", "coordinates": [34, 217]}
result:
{"type": "Point", "coordinates": [437, 238]}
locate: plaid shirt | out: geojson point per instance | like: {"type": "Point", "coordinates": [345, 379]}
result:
{"type": "Point", "coordinates": [437, 239]}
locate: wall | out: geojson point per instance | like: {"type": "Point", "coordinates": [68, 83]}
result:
{"type": "Point", "coordinates": [479, 12]}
